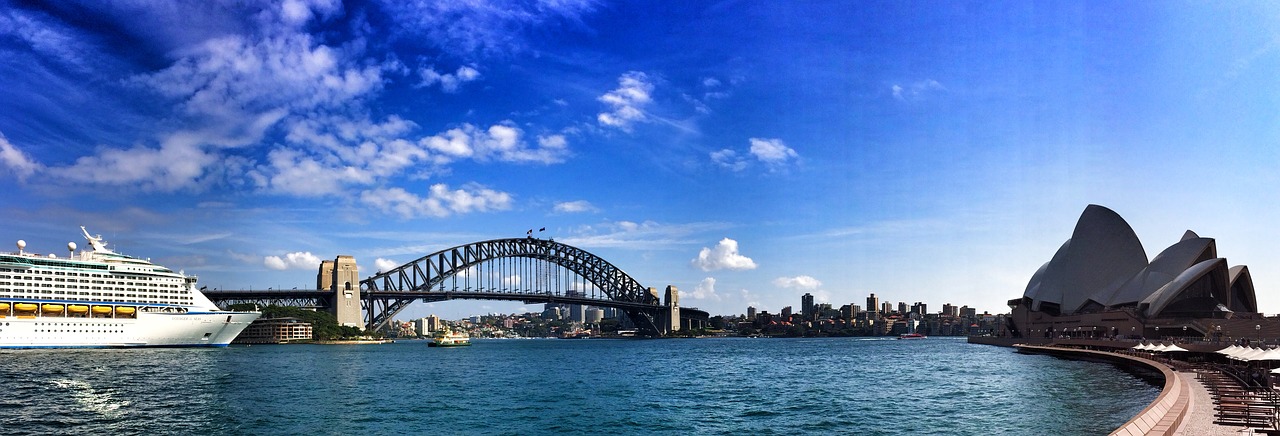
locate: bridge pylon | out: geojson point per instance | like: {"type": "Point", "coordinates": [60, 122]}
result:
{"type": "Point", "coordinates": [341, 277]}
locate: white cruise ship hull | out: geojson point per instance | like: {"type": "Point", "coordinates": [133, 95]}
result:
{"type": "Point", "coordinates": [191, 329]}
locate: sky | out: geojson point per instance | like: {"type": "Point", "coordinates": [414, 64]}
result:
{"type": "Point", "coordinates": [745, 152]}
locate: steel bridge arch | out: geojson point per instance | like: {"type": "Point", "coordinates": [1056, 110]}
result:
{"type": "Point", "coordinates": [430, 271]}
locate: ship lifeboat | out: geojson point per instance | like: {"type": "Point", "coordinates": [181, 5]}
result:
{"type": "Point", "coordinates": [51, 308]}
{"type": "Point", "coordinates": [77, 308]}
{"type": "Point", "coordinates": [25, 307]}
{"type": "Point", "coordinates": [4, 307]}
{"type": "Point", "coordinates": [123, 310]}
{"type": "Point", "coordinates": [101, 310]}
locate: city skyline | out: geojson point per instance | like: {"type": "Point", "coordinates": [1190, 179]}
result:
{"type": "Point", "coordinates": [746, 153]}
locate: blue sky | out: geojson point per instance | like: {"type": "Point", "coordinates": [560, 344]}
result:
{"type": "Point", "coordinates": [746, 152]}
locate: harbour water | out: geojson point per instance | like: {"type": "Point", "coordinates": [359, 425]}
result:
{"type": "Point", "coordinates": [697, 386]}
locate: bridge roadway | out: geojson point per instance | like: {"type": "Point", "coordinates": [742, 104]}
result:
{"type": "Point", "coordinates": [272, 296]}
{"type": "Point", "coordinates": [690, 317]}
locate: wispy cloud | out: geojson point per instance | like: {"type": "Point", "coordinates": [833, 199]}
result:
{"type": "Point", "coordinates": [773, 153]}
{"type": "Point", "coordinates": [441, 201]}
{"type": "Point", "coordinates": [915, 91]}
{"type": "Point", "coordinates": [472, 29]}
{"type": "Point", "coordinates": [449, 82]}
{"type": "Point", "coordinates": [578, 206]}
{"type": "Point", "coordinates": [797, 282]}
{"type": "Point", "coordinates": [627, 103]}
{"type": "Point", "coordinates": [295, 260]}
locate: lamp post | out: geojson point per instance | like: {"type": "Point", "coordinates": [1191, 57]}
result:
{"type": "Point", "coordinates": [1257, 328]}
{"type": "Point", "coordinates": [1157, 333]}
{"type": "Point", "coordinates": [1217, 333]}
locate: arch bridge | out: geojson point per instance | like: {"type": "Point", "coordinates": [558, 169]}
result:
{"type": "Point", "coordinates": [529, 270]}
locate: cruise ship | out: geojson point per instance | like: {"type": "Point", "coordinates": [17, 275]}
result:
{"type": "Point", "coordinates": [98, 298]}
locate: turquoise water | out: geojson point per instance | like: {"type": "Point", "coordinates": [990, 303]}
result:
{"type": "Point", "coordinates": [700, 386]}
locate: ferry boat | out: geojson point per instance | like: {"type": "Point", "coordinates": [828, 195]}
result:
{"type": "Point", "coordinates": [450, 339]}
{"type": "Point", "coordinates": [98, 298]}
{"type": "Point", "coordinates": [912, 336]}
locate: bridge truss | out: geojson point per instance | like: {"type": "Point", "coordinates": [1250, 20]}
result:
{"type": "Point", "coordinates": [529, 270]}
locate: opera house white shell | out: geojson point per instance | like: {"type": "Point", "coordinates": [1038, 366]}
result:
{"type": "Point", "coordinates": [1103, 267]}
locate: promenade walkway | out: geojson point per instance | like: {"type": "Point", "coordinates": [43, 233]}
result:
{"type": "Point", "coordinates": [1200, 415]}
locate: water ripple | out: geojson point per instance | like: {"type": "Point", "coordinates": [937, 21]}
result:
{"type": "Point", "coordinates": [675, 387]}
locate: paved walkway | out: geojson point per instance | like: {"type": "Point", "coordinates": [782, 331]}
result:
{"type": "Point", "coordinates": [1200, 413]}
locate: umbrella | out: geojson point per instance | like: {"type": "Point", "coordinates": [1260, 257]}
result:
{"type": "Point", "coordinates": [1246, 353]}
{"type": "Point", "coordinates": [1272, 354]}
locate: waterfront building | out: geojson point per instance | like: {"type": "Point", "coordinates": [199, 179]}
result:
{"type": "Point", "coordinates": [902, 308]}
{"type": "Point", "coordinates": [1100, 283]}
{"type": "Point", "coordinates": [886, 308]}
{"type": "Point", "coordinates": [275, 331]}
{"type": "Point", "coordinates": [751, 312]}
{"type": "Point", "coordinates": [806, 306]}
{"type": "Point", "coordinates": [786, 314]}
{"type": "Point", "coordinates": [872, 304]}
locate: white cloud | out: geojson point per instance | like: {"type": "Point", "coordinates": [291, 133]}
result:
{"type": "Point", "coordinates": [385, 265]}
{"type": "Point", "coordinates": [797, 282]}
{"type": "Point", "coordinates": [723, 256]}
{"type": "Point", "coordinates": [503, 142]}
{"type": "Point", "coordinates": [440, 201]}
{"type": "Point", "coordinates": [627, 102]}
{"type": "Point", "coordinates": [15, 160]}
{"type": "Point", "coordinates": [917, 90]}
{"type": "Point", "coordinates": [295, 260]}
{"type": "Point", "coordinates": [578, 206]}
{"type": "Point", "coordinates": [449, 82]}
{"type": "Point", "coordinates": [729, 159]}
{"type": "Point", "coordinates": [771, 151]}
{"type": "Point", "coordinates": [706, 290]}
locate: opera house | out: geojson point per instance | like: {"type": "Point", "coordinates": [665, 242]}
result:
{"type": "Point", "coordinates": [1100, 285]}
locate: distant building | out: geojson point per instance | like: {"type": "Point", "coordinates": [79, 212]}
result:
{"type": "Point", "coordinates": [426, 326]}
{"type": "Point", "coordinates": [751, 312]}
{"type": "Point", "coordinates": [872, 304]}
{"type": "Point", "coordinates": [595, 315]}
{"type": "Point", "coordinates": [786, 313]}
{"type": "Point", "coordinates": [806, 306]}
{"type": "Point", "coordinates": [275, 331]}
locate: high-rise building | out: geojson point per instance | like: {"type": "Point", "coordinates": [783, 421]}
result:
{"type": "Point", "coordinates": [886, 308]}
{"type": "Point", "coordinates": [594, 315]}
{"type": "Point", "coordinates": [919, 308]}
{"type": "Point", "coordinates": [751, 313]}
{"type": "Point", "coordinates": [786, 313]}
{"type": "Point", "coordinates": [902, 307]}
{"type": "Point", "coordinates": [949, 310]}
{"type": "Point", "coordinates": [806, 306]}
{"type": "Point", "coordinates": [872, 304]}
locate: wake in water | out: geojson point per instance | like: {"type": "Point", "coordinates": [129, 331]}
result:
{"type": "Point", "coordinates": [92, 400]}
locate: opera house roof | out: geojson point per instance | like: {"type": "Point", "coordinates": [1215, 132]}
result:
{"type": "Point", "coordinates": [1104, 267]}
